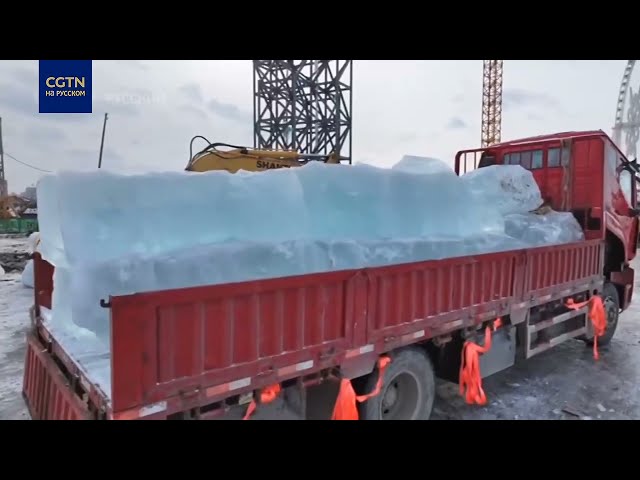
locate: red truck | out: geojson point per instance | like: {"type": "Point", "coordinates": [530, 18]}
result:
{"type": "Point", "coordinates": [364, 343]}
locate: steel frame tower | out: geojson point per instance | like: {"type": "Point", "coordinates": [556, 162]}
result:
{"type": "Point", "coordinates": [491, 102]}
{"type": "Point", "coordinates": [303, 105]}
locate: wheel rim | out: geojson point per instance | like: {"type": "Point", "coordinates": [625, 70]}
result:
{"type": "Point", "coordinates": [611, 311]}
{"type": "Point", "coordinates": [401, 398]}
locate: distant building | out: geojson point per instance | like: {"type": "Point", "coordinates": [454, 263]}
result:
{"type": "Point", "coordinates": [30, 193]}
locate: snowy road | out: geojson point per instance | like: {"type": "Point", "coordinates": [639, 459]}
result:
{"type": "Point", "coordinates": [15, 301]}
{"type": "Point", "coordinates": [563, 383]}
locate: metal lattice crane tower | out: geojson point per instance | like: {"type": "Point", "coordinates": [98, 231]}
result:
{"type": "Point", "coordinates": [491, 102]}
{"type": "Point", "coordinates": [303, 105]}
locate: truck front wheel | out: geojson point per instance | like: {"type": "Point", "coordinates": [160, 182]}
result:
{"type": "Point", "coordinates": [408, 389]}
{"type": "Point", "coordinates": [612, 312]}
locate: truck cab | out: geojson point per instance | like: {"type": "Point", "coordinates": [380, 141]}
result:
{"type": "Point", "coordinates": [584, 173]}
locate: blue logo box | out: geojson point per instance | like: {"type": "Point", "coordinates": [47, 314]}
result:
{"type": "Point", "coordinates": [65, 86]}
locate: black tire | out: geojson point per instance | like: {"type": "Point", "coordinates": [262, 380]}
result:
{"type": "Point", "coordinates": [611, 302]}
{"type": "Point", "coordinates": [408, 389]}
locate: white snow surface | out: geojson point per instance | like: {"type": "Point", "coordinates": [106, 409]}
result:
{"type": "Point", "coordinates": [110, 234]}
{"type": "Point", "coordinates": [15, 302]}
{"type": "Point", "coordinates": [27, 274]}
{"type": "Point", "coordinates": [32, 246]}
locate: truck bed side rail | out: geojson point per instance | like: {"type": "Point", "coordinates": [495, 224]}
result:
{"type": "Point", "coordinates": [426, 299]}
{"type": "Point", "coordinates": [558, 270]}
{"type": "Point", "coordinates": [47, 392]}
{"type": "Point", "coordinates": [207, 341]}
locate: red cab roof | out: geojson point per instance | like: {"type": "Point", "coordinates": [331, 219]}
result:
{"type": "Point", "coordinates": [553, 136]}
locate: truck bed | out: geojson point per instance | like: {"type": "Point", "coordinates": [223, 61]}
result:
{"type": "Point", "coordinates": [190, 348]}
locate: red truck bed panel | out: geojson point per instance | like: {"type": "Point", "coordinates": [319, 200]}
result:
{"type": "Point", "coordinates": [190, 342]}
{"type": "Point", "coordinates": [47, 392]}
{"type": "Point", "coordinates": [176, 341]}
{"type": "Point", "coordinates": [551, 268]}
{"type": "Point", "coordinates": [192, 346]}
{"type": "Point", "coordinates": [403, 298]}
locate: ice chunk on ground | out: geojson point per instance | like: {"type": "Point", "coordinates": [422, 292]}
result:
{"type": "Point", "coordinates": [422, 165]}
{"type": "Point", "coordinates": [27, 274]}
{"type": "Point", "coordinates": [33, 242]}
{"type": "Point", "coordinates": [509, 188]}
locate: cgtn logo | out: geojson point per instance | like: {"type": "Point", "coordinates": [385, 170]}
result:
{"type": "Point", "coordinates": [65, 86]}
{"type": "Point", "coordinates": [60, 83]}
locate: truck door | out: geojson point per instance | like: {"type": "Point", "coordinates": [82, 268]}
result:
{"type": "Point", "coordinates": [623, 203]}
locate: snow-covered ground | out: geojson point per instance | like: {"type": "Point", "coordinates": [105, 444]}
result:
{"type": "Point", "coordinates": [15, 301]}
{"type": "Point", "coordinates": [13, 253]}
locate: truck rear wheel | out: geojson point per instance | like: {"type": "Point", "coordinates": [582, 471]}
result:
{"type": "Point", "coordinates": [612, 312]}
{"type": "Point", "coordinates": [408, 389]}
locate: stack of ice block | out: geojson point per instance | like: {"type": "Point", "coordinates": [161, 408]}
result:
{"type": "Point", "coordinates": [110, 234]}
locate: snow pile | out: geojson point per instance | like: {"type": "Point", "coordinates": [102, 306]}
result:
{"type": "Point", "coordinates": [33, 242]}
{"type": "Point", "coordinates": [111, 234]}
{"type": "Point", "coordinates": [27, 274]}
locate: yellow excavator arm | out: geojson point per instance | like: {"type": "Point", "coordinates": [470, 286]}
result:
{"type": "Point", "coordinates": [252, 160]}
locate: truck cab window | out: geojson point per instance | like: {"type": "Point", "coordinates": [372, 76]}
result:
{"type": "Point", "coordinates": [487, 159]}
{"type": "Point", "coordinates": [553, 157]}
{"type": "Point", "coordinates": [536, 160]}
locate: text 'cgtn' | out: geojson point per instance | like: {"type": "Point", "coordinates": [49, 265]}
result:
{"type": "Point", "coordinates": [65, 82]}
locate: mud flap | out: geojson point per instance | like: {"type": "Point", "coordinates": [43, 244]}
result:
{"type": "Point", "coordinates": [502, 354]}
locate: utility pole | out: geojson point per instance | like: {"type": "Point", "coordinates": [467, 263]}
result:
{"type": "Point", "coordinates": [104, 127]}
{"type": "Point", "coordinates": [4, 189]}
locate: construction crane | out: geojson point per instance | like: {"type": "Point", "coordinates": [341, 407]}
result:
{"type": "Point", "coordinates": [491, 102]}
{"type": "Point", "coordinates": [303, 106]}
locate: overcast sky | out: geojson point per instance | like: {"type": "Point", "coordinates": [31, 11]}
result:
{"type": "Point", "coordinates": [430, 108]}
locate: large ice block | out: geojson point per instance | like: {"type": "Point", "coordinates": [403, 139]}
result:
{"type": "Point", "coordinates": [86, 285]}
{"type": "Point", "coordinates": [509, 188]}
{"type": "Point", "coordinates": [111, 234]}
{"type": "Point", "coordinates": [97, 216]}
{"type": "Point", "coordinates": [51, 244]}
{"type": "Point", "coordinates": [422, 165]}
{"type": "Point", "coordinates": [548, 229]}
